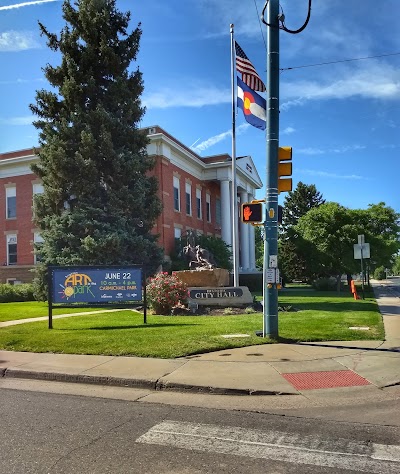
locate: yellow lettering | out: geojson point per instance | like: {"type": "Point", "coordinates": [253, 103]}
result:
{"type": "Point", "coordinates": [77, 279]}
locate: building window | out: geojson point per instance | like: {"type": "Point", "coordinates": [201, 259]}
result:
{"type": "Point", "coordinates": [198, 203]}
{"type": "Point", "coordinates": [218, 211]}
{"type": "Point", "coordinates": [177, 200]}
{"type": "Point", "coordinates": [11, 249]}
{"type": "Point", "coordinates": [37, 188]}
{"type": "Point", "coordinates": [38, 240]}
{"type": "Point", "coordinates": [208, 207]}
{"type": "Point", "coordinates": [11, 202]}
{"type": "Point", "coordinates": [177, 232]}
{"type": "Point", "coordinates": [188, 189]}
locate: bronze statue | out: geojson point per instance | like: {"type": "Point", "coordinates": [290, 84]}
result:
{"type": "Point", "coordinates": [198, 258]}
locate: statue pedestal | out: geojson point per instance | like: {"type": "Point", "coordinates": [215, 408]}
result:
{"type": "Point", "coordinates": [222, 297]}
{"type": "Point", "coordinates": [211, 288]}
{"type": "Point", "coordinates": [215, 277]}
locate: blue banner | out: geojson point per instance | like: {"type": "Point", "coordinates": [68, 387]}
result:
{"type": "Point", "coordinates": [96, 285]}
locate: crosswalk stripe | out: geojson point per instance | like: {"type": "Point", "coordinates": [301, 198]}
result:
{"type": "Point", "coordinates": [280, 446]}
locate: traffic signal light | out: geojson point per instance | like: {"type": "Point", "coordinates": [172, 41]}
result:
{"type": "Point", "coordinates": [251, 212]}
{"type": "Point", "coordinates": [284, 168]}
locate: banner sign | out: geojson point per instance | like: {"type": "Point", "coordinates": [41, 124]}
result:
{"type": "Point", "coordinates": [96, 285]}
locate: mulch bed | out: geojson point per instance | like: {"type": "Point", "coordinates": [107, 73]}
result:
{"type": "Point", "coordinates": [208, 311]}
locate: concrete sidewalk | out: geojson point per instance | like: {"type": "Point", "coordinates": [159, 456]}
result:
{"type": "Point", "coordinates": [275, 369]}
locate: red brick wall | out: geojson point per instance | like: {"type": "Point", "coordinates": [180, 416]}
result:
{"type": "Point", "coordinates": [164, 170]}
{"type": "Point", "coordinates": [19, 273]}
{"type": "Point", "coordinates": [22, 224]}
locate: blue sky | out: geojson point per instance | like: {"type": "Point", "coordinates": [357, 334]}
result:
{"type": "Point", "coordinates": [341, 119]}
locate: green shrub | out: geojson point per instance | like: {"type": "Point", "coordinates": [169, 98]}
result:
{"type": "Point", "coordinates": [164, 292]}
{"type": "Point", "coordinates": [16, 293]}
{"type": "Point", "coordinates": [218, 248]}
{"type": "Point", "coordinates": [379, 273]}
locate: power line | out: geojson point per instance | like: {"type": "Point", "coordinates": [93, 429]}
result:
{"type": "Point", "coordinates": [259, 22]}
{"type": "Point", "coordinates": [339, 61]}
{"type": "Point", "coordinates": [281, 19]}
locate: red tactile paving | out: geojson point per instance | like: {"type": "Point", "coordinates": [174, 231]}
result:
{"type": "Point", "coordinates": [331, 379]}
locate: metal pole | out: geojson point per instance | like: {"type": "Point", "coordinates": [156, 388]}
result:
{"type": "Point", "coordinates": [234, 186]}
{"type": "Point", "coordinates": [270, 327]}
{"type": "Point", "coordinates": [50, 296]}
{"type": "Point", "coordinates": [362, 272]}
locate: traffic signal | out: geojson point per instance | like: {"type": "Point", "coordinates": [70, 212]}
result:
{"type": "Point", "coordinates": [251, 212]}
{"type": "Point", "coordinates": [284, 168]}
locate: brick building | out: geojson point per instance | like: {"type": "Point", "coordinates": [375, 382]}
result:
{"type": "Point", "coordinates": [195, 191]}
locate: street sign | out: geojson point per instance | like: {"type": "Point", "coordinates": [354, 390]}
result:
{"type": "Point", "coordinates": [361, 239]}
{"type": "Point", "coordinates": [273, 261]}
{"type": "Point", "coordinates": [273, 275]}
{"type": "Point", "coordinates": [365, 251]}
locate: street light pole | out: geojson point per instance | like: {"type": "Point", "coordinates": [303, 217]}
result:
{"type": "Point", "coordinates": [270, 326]}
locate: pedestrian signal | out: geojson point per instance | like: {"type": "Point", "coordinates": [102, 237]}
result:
{"type": "Point", "coordinates": [251, 212]}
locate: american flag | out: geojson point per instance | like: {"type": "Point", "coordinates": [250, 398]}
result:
{"type": "Point", "coordinates": [249, 74]}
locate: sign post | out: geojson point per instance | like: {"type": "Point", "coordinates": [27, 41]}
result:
{"type": "Point", "coordinates": [361, 251]}
{"type": "Point", "coordinates": [270, 290]}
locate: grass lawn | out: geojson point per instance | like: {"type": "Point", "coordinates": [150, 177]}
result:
{"type": "Point", "coordinates": [34, 309]}
{"type": "Point", "coordinates": [320, 317]}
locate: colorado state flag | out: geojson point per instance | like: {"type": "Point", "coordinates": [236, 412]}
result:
{"type": "Point", "coordinates": [253, 105]}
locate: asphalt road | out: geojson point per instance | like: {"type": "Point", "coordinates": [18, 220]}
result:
{"type": "Point", "coordinates": [51, 433]}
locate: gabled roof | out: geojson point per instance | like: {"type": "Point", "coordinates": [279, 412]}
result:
{"type": "Point", "coordinates": [222, 162]}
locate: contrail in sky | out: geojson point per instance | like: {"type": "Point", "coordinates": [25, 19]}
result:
{"type": "Point", "coordinates": [26, 4]}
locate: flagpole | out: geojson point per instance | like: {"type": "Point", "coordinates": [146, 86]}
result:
{"type": "Point", "coordinates": [234, 185]}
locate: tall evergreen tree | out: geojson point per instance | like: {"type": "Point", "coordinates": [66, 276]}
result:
{"type": "Point", "coordinates": [99, 203]}
{"type": "Point", "coordinates": [298, 202]}
{"type": "Point", "coordinates": [294, 256]}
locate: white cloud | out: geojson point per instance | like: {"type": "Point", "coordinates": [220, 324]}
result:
{"type": "Point", "coordinates": [287, 131]}
{"type": "Point", "coordinates": [311, 151]}
{"type": "Point", "coordinates": [389, 146]}
{"type": "Point", "coordinates": [25, 4]}
{"type": "Point", "coordinates": [218, 138]}
{"type": "Point", "coordinates": [372, 81]}
{"type": "Point", "coordinates": [339, 150]}
{"type": "Point", "coordinates": [189, 97]}
{"type": "Point", "coordinates": [22, 81]}
{"type": "Point", "coordinates": [17, 41]}
{"type": "Point", "coordinates": [220, 14]}
{"type": "Point", "coordinates": [324, 174]}
{"type": "Point", "coordinates": [27, 120]}
{"type": "Point", "coordinates": [346, 148]}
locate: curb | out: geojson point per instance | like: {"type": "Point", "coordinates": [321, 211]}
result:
{"type": "Point", "coordinates": [178, 387]}
{"type": "Point", "coordinates": [78, 378]}
{"type": "Point", "coordinates": [133, 383]}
